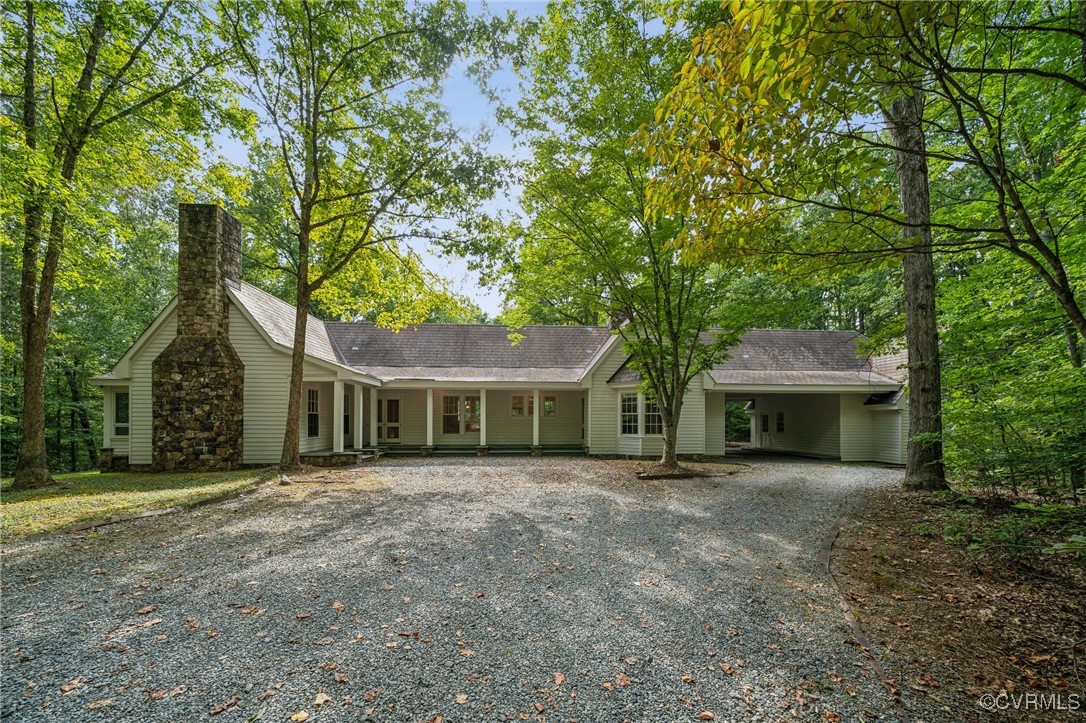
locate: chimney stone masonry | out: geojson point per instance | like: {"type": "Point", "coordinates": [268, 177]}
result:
{"type": "Point", "coordinates": [197, 382]}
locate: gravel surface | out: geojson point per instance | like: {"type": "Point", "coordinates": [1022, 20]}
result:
{"type": "Point", "coordinates": [494, 589]}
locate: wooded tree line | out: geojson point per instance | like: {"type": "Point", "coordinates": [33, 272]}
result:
{"type": "Point", "coordinates": [914, 171]}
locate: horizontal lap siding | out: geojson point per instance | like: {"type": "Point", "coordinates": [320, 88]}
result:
{"type": "Point", "coordinates": [139, 409]}
{"type": "Point", "coordinates": [812, 423]}
{"type": "Point", "coordinates": [323, 441]}
{"type": "Point", "coordinates": [629, 444]}
{"type": "Point", "coordinates": [267, 384]}
{"type": "Point", "coordinates": [857, 429]}
{"type": "Point", "coordinates": [887, 437]}
{"type": "Point", "coordinates": [412, 414]}
{"type": "Point", "coordinates": [714, 423]}
{"type": "Point", "coordinates": [691, 432]}
{"type": "Point", "coordinates": [603, 408]}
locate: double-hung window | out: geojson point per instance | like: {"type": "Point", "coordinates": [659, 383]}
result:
{"type": "Point", "coordinates": [522, 405]}
{"type": "Point", "coordinates": [450, 415]}
{"type": "Point", "coordinates": [472, 408]}
{"type": "Point", "coordinates": [654, 423]}
{"type": "Point", "coordinates": [120, 414]}
{"type": "Point", "coordinates": [313, 413]}
{"type": "Point", "coordinates": [628, 413]}
{"type": "Point", "coordinates": [550, 407]}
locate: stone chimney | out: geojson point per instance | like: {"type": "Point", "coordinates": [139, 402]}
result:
{"type": "Point", "coordinates": [197, 381]}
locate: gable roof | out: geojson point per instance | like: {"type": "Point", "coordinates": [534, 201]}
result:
{"type": "Point", "coordinates": [791, 356]}
{"type": "Point", "coordinates": [276, 318]}
{"type": "Point", "coordinates": [469, 352]}
{"type": "Point", "coordinates": [798, 356]}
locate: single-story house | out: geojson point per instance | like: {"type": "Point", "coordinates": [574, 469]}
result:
{"type": "Point", "coordinates": [205, 386]}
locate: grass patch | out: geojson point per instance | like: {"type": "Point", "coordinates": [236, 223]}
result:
{"type": "Point", "coordinates": [87, 496]}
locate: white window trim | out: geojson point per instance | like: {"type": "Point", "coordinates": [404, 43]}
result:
{"type": "Point", "coordinates": [640, 417]}
{"type": "Point", "coordinates": [113, 416]}
{"type": "Point", "coordinates": [528, 402]}
{"type": "Point", "coordinates": [554, 405]}
{"type": "Point", "coordinates": [312, 394]}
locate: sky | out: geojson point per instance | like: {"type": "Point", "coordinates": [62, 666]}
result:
{"type": "Point", "coordinates": [470, 111]}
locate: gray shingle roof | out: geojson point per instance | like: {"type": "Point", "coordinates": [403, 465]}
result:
{"type": "Point", "coordinates": [276, 317]}
{"type": "Point", "coordinates": [467, 346]}
{"type": "Point", "coordinates": [792, 356]}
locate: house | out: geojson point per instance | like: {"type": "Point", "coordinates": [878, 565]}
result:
{"type": "Point", "coordinates": [205, 385]}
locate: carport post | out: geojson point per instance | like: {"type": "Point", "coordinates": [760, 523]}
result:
{"type": "Point", "coordinates": [430, 417]}
{"type": "Point", "coordinates": [337, 416]}
{"type": "Point", "coordinates": [373, 417]}
{"type": "Point", "coordinates": [536, 411]}
{"type": "Point", "coordinates": [482, 417]}
{"type": "Point", "coordinates": [357, 405]}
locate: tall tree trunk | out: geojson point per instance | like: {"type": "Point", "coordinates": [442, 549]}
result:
{"type": "Point", "coordinates": [924, 463]}
{"type": "Point", "coordinates": [291, 457]}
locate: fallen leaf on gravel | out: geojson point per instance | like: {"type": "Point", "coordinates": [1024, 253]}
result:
{"type": "Point", "coordinates": [630, 661]}
{"type": "Point", "coordinates": [608, 686]}
{"type": "Point", "coordinates": [230, 704]}
{"type": "Point", "coordinates": [341, 677]}
{"type": "Point", "coordinates": [323, 641]}
{"type": "Point", "coordinates": [303, 616]}
{"type": "Point", "coordinates": [774, 646]}
{"type": "Point", "coordinates": [212, 633]}
{"type": "Point", "coordinates": [687, 678]}
{"type": "Point", "coordinates": [393, 644]}
{"type": "Point", "coordinates": [338, 606]}
{"type": "Point", "coordinates": [321, 699]}
{"type": "Point", "coordinates": [539, 708]}
{"type": "Point", "coordinates": [559, 678]}
{"type": "Point", "coordinates": [461, 698]}
{"type": "Point", "coordinates": [72, 685]}
{"type": "Point", "coordinates": [300, 716]}
{"type": "Point", "coordinates": [623, 680]}
{"type": "Point", "coordinates": [706, 715]}
{"type": "Point", "coordinates": [830, 717]}
{"type": "Point", "coordinates": [727, 669]}
{"type": "Point", "coordinates": [146, 610]}
{"type": "Point", "coordinates": [98, 704]}
{"type": "Point", "coordinates": [329, 667]}
{"type": "Point", "coordinates": [371, 696]}
{"type": "Point", "coordinates": [466, 652]}
{"type": "Point", "coordinates": [152, 623]}
{"type": "Point", "coordinates": [435, 719]}
{"type": "Point", "coordinates": [253, 610]}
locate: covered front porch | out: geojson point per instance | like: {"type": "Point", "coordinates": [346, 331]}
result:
{"type": "Point", "coordinates": [461, 418]}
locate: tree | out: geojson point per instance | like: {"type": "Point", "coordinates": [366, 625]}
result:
{"type": "Point", "coordinates": [93, 91]}
{"type": "Point", "coordinates": [590, 251]}
{"type": "Point", "coordinates": [775, 111]}
{"type": "Point", "coordinates": [358, 152]}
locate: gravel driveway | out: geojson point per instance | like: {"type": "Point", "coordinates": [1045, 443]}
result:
{"type": "Point", "coordinates": [493, 589]}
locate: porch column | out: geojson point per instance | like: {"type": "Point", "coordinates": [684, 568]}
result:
{"type": "Point", "coordinates": [373, 417]}
{"type": "Point", "coordinates": [107, 417]}
{"type": "Point", "coordinates": [536, 411]}
{"type": "Point", "coordinates": [337, 416]}
{"type": "Point", "coordinates": [430, 417]}
{"type": "Point", "coordinates": [358, 440]}
{"type": "Point", "coordinates": [482, 417]}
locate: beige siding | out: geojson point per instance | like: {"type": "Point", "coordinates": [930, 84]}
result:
{"type": "Point", "coordinates": [140, 389]}
{"type": "Point", "coordinates": [629, 444]}
{"type": "Point", "coordinates": [812, 423]}
{"type": "Point", "coordinates": [714, 423]}
{"type": "Point", "coordinates": [323, 441]}
{"type": "Point", "coordinates": [267, 382]}
{"type": "Point", "coordinates": [691, 432]}
{"type": "Point", "coordinates": [603, 410]}
{"type": "Point", "coordinates": [887, 437]}
{"type": "Point", "coordinates": [857, 429]}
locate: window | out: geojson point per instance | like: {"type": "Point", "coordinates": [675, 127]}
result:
{"type": "Point", "coordinates": [450, 415]}
{"type": "Point", "coordinates": [765, 424]}
{"type": "Point", "coordinates": [471, 414]}
{"type": "Point", "coordinates": [550, 407]}
{"type": "Point", "coordinates": [780, 421]}
{"type": "Point", "coordinates": [628, 413]}
{"type": "Point", "coordinates": [346, 414]}
{"type": "Point", "coordinates": [654, 423]}
{"type": "Point", "coordinates": [120, 414]}
{"type": "Point", "coordinates": [313, 413]}
{"type": "Point", "coordinates": [522, 402]}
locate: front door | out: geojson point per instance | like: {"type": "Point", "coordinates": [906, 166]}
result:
{"type": "Point", "coordinates": [388, 420]}
{"type": "Point", "coordinates": [765, 431]}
